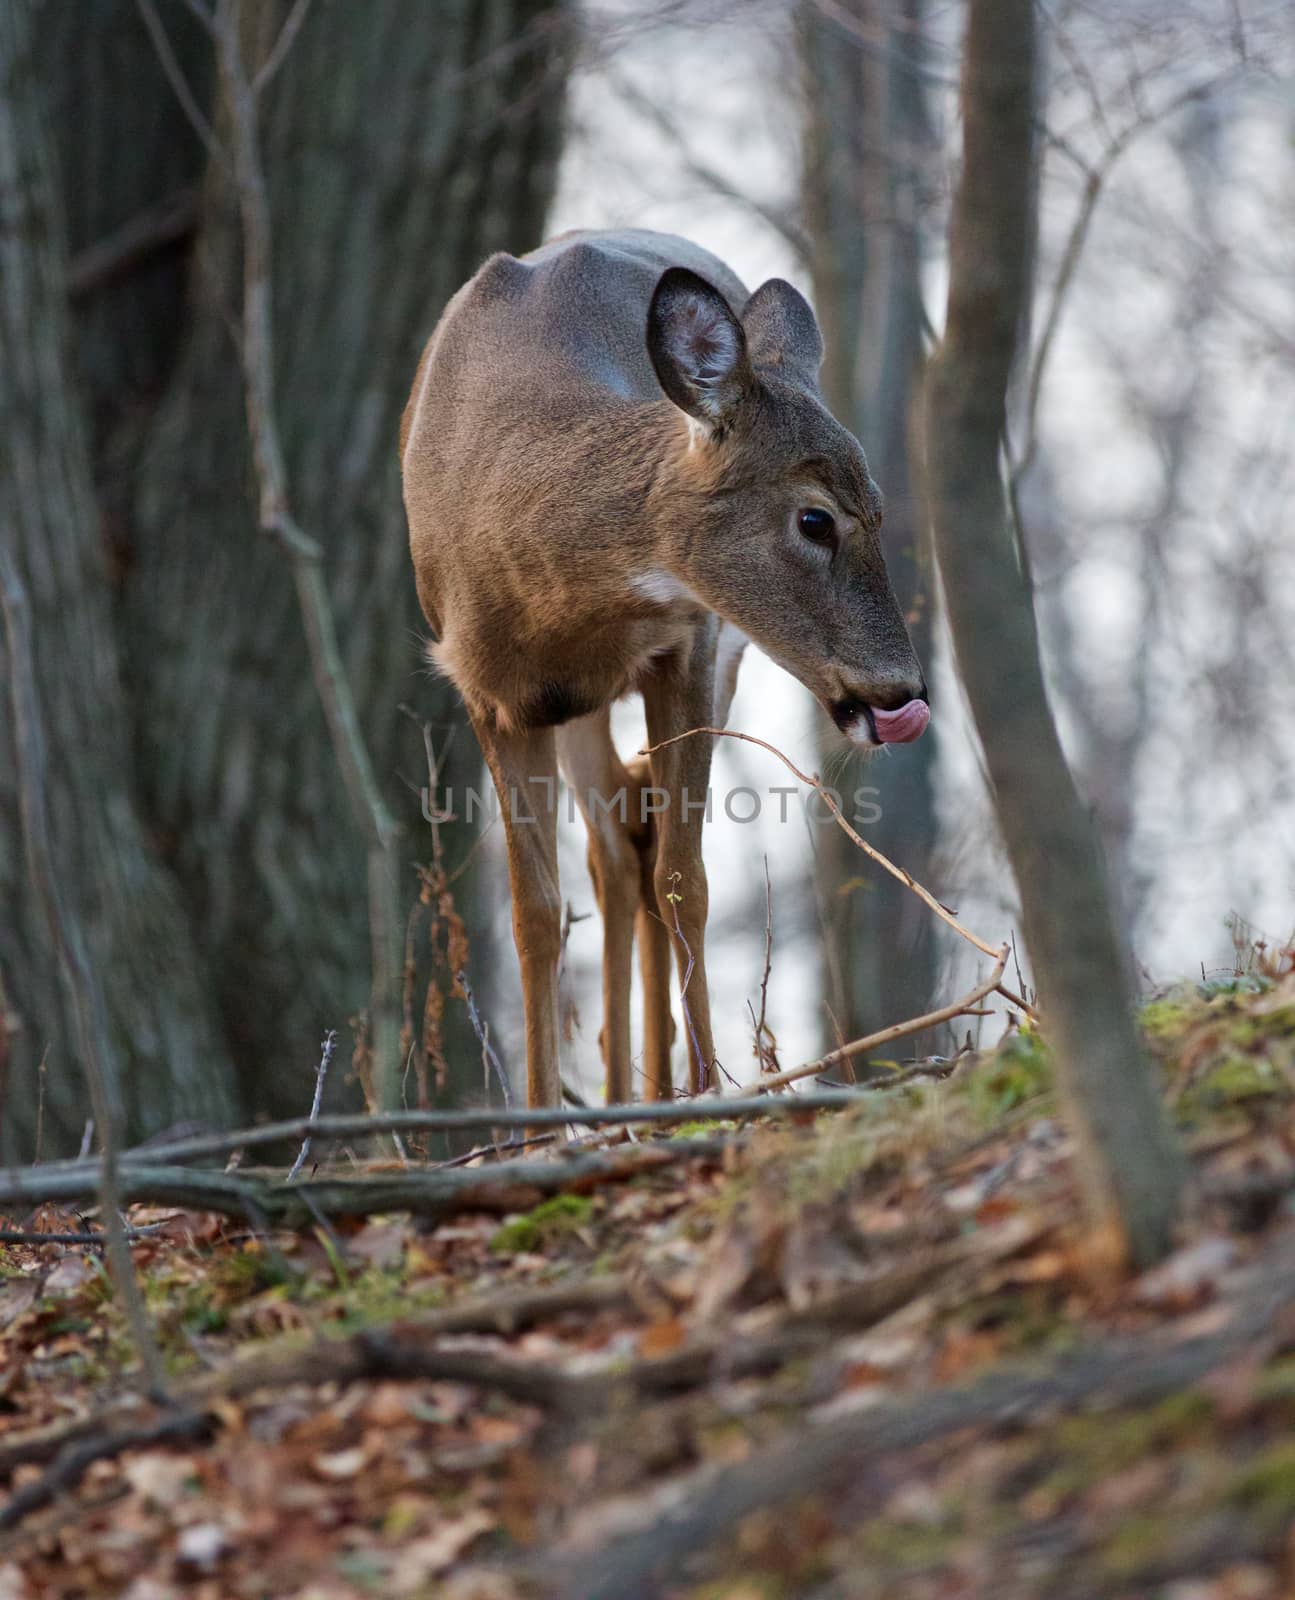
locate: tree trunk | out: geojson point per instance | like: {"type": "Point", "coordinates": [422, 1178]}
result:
{"type": "Point", "coordinates": [867, 142]}
{"type": "Point", "coordinates": [1128, 1161]}
{"type": "Point", "coordinates": [399, 153]}
{"type": "Point", "coordinates": [159, 1017]}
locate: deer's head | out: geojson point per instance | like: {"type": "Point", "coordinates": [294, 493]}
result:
{"type": "Point", "coordinates": [778, 516]}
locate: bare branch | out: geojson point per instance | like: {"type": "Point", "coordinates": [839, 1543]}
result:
{"type": "Point", "coordinates": [873, 854]}
{"type": "Point", "coordinates": [776, 218]}
{"type": "Point", "coordinates": [898, 1030]}
{"type": "Point", "coordinates": [179, 84]}
{"type": "Point", "coordinates": [321, 1072]}
{"type": "Point", "coordinates": [282, 45]}
{"type": "Point", "coordinates": [702, 1108]}
{"type": "Point", "coordinates": [166, 223]}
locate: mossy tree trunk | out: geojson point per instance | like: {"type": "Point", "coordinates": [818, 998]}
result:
{"type": "Point", "coordinates": [399, 153]}
{"type": "Point", "coordinates": [160, 1014]}
{"type": "Point", "coordinates": [402, 145]}
{"type": "Point", "coordinates": [1127, 1159]}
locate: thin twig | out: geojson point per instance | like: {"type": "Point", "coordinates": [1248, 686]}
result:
{"type": "Point", "coordinates": [766, 1046]}
{"type": "Point", "coordinates": [897, 1030]}
{"type": "Point", "coordinates": [699, 1071]}
{"type": "Point", "coordinates": [1095, 180]}
{"type": "Point", "coordinates": [321, 1072]}
{"type": "Point", "coordinates": [179, 84]}
{"type": "Point", "coordinates": [279, 53]}
{"type": "Point", "coordinates": [96, 1241]}
{"type": "Point", "coordinates": [814, 782]}
{"type": "Point", "coordinates": [489, 1055]}
{"type": "Point", "coordinates": [107, 259]}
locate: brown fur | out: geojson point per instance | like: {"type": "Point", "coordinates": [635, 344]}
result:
{"type": "Point", "coordinates": [575, 534]}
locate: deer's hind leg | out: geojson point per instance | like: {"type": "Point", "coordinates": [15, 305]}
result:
{"type": "Point", "coordinates": [602, 789]}
{"type": "Point", "coordinates": [524, 768]}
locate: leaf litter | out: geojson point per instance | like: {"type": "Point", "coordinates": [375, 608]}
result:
{"type": "Point", "coordinates": [512, 1403]}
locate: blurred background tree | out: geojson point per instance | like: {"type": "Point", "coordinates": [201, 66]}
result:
{"type": "Point", "coordinates": [869, 159]}
{"type": "Point", "coordinates": [206, 838]}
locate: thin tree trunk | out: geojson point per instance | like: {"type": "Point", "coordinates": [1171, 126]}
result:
{"type": "Point", "coordinates": [867, 140]}
{"type": "Point", "coordinates": [401, 147]}
{"type": "Point", "coordinates": [1130, 1167]}
{"type": "Point", "coordinates": [158, 1014]}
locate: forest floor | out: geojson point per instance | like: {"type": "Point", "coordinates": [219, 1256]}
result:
{"type": "Point", "coordinates": [866, 1353]}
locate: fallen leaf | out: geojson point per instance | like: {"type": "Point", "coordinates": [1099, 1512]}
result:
{"type": "Point", "coordinates": [203, 1545]}
{"type": "Point", "coordinates": [71, 1274]}
{"type": "Point", "coordinates": [16, 1296]}
{"type": "Point", "coordinates": [1188, 1277]}
{"type": "Point", "coordinates": [162, 1479]}
{"type": "Point", "coordinates": [662, 1338]}
{"type": "Point", "coordinates": [425, 1558]}
{"type": "Point", "coordinates": [340, 1464]}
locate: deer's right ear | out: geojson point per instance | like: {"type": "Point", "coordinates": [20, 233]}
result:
{"type": "Point", "coordinates": [697, 347]}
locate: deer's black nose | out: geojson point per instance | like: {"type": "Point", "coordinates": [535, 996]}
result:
{"type": "Point", "coordinates": [894, 696]}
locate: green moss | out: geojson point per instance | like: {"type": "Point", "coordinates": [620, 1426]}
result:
{"type": "Point", "coordinates": [1234, 1081]}
{"type": "Point", "coordinates": [1096, 1444]}
{"type": "Point", "coordinates": [1267, 1485]}
{"type": "Point", "coordinates": [703, 1130]}
{"type": "Point", "coordinates": [894, 1542]}
{"type": "Point", "coordinates": [1030, 1319]}
{"type": "Point", "coordinates": [549, 1221]}
{"type": "Point", "coordinates": [1253, 1030]}
{"type": "Point", "coordinates": [1139, 1542]}
{"type": "Point", "coordinates": [741, 1586]}
{"type": "Point", "coordinates": [1019, 1071]}
{"type": "Point", "coordinates": [1277, 1380]}
{"type": "Point", "coordinates": [1169, 1017]}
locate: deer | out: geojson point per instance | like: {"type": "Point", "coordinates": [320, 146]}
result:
{"type": "Point", "coordinates": [619, 470]}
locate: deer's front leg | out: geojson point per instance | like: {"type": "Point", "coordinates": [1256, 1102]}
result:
{"type": "Point", "coordinates": [524, 768]}
{"type": "Point", "coordinates": [680, 696]}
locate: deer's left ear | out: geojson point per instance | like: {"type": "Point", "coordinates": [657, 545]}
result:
{"type": "Point", "coordinates": [782, 331]}
{"type": "Point", "coordinates": [697, 347]}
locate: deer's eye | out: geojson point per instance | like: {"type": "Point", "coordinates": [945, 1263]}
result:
{"type": "Point", "coordinates": [817, 525]}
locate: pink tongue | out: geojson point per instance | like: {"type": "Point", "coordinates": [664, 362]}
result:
{"type": "Point", "coordinates": [904, 725]}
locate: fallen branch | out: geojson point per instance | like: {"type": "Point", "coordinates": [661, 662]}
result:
{"type": "Point", "coordinates": [436, 1193]}
{"type": "Point", "coordinates": [406, 1351]}
{"type": "Point", "coordinates": [75, 1459]}
{"type": "Point", "coordinates": [504, 1314]}
{"type": "Point", "coordinates": [705, 1108]}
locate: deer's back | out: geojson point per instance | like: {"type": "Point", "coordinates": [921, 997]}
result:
{"type": "Point", "coordinates": [526, 461]}
{"type": "Point", "coordinates": [519, 389]}
{"type": "Point", "coordinates": [528, 339]}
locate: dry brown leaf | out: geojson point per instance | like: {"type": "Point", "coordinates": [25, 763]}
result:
{"type": "Point", "coordinates": [425, 1558]}
{"type": "Point", "coordinates": [662, 1338]}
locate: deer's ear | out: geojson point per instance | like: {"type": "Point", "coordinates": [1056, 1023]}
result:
{"type": "Point", "coordinates": [697, 347]}
{"type": "Point", "coordinates": [783, 331]}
